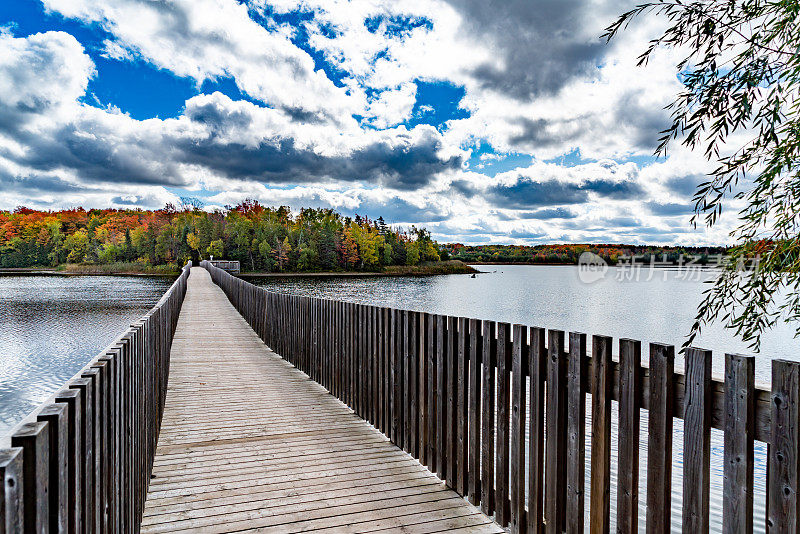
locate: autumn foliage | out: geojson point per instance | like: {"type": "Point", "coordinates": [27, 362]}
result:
{"type": "Point", "coordinates": [260, 237]}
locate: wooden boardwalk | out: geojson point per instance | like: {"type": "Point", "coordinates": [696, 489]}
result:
{"type": "Point", "coordinates": [250, 443]}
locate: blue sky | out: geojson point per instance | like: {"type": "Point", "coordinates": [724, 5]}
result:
{"type": "Point", "coordinates": [505, 124]}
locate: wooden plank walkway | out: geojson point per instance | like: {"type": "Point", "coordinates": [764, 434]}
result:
{"type": "Point", "coordinates": [249, 443]}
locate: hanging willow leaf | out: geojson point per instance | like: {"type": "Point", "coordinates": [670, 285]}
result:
{"type": "Point", "coordinates": [741, 75]}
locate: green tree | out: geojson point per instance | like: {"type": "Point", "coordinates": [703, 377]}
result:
{"type": "Point", "coordinates": [77, 245]}
{"type": "Point", "coordinates": [741, 75]}
{"type": "Point", "coordinates": [215, 248]}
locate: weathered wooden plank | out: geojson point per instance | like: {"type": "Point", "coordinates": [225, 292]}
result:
{"type": "Point", "coordinates": [556, 446]}
{"type": "Point", "coordinates": [488, 418]}
{"type": "Point", "coordinates": [737, 491]}
{"type": "Point", "coordinates": [697, 441]}
{"type": "Point", "coordinates": [12, 516]}
{"type": "Point", "coordinates": [784, 451]}
{"type": "Point", "coordinates": [517, 429]}
{"type": "Point", "coordinates": [56, 415]}
{"type": "Point", "coordinates": [441, 397]}
{"type": "Point", "coordinates": [451, 438]}
{"type": "Point", "coordinates": [502, 506]}
{"type": "Point", "coordinates": [432, 358]}
{"type": "Point", "coordinates": [659, 442]}
{"type": "Point", "coordinates": [576, 432]}
{"type": "Point", "coordinates": [601, 389]}
{"type": "Point", "coordinates": [537, 370]}
{"type": "Point", "coordinates": [412, 418]}
{"type": "Point", "coordinates": [474, 445]}
{"type": "Point", "coordinates": [628, 437]}
{"type": "Point", "coordinates": [34, 440]}
{"type": "Point", "coordinates": [462, 397]}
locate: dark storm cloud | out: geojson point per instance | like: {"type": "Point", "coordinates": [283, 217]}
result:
{"type": "Point", "coordinates": [543, 44]}
{"type": "Point", "coordinates": [670, 209]}
{"type": "Point", "coordinates": [614, 189]}
{"type": "Point", "coordinates": [548, 213]}
{"type": "Point", "coordinates": [529, 193]}
{"type": "Point", "coordinates": [405, 167]}
{"type": "Point", "coordinates": [685, 185]}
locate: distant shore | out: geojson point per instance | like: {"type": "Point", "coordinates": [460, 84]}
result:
{"type": "Point", "coordinates": [423, 269]}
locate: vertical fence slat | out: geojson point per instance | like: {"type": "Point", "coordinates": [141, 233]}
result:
{"type": "Point", "coordinates": [518, 400]}
{"type": "Point", "coordinates": [432, 357]}
{"type": "Point", "coordinates": [56, 417]}
{"type": "Point", "coordinates": [474, 445]}
{"type": "Point", "coordinates": [784, 451]}
{"type": "Point", "coordinates": [737, 492]}
{"type": "Point", "coordinates": [502, 507]}
{"type": "Point", "coordinates": [576, 433]}
{"type": "Point", "coordinates": [630, 352]}
{"type": "Point", "coordinates": [34, 440]}
{"type": "Point", "coordinates": [487, 421]}
{"type": "Point", "coordinates": [537, 370]}
{"type": "Point", "coordinates": [601, 389]}
{"type": "Point", "coordinates": [659, 443]}
{"type": "Point", "coordinates": [441, 397]}
{"type": "Point", "coordinates": [462, 380]}
{"type": "Point", "coordinates": [11, 487]}
{"type": "Point", "coordinates": [556, 447]}
{"type": "Point", "coordinates": [451, 374]}
{"type": "Point", "coordinates": [697, 441]}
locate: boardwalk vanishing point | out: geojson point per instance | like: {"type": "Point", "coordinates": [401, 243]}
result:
{"type": "Point", "coordinates": [249, 443]}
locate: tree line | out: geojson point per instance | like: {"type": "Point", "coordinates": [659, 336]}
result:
{"type": "Point", "coordinates": [569, 254]}
{"type": "Point", "coordinates": [262, 238]}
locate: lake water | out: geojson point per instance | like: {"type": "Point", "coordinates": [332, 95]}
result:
{"type": "Point", "coordinates": [51, 326]}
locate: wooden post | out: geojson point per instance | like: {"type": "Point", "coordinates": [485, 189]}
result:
{"type": "Point", "coordinates": [556, 448]}
{"type": "Point", "coordinates": [659, 444]}
{"type": "Point", "coordinates": [487, 420]}
{"type": "Point", "coordinates": [576, 433]}
{"type": "Point", "coordinates": [628, 436]}
{"type": "Point", "coordinates": [474, 447]}
{"type": "Point", "coordinates": [518, 429]}
{"type": "Point", "coordinates": [441, 397]}
{"type": "Point", "coordinates": [737, 493]}
{"type": "Point", "coordinates": [784, 452]}
{"type": "Point", "coordinates": [602, 389]}
{"type": "Point", "coordinates": [432, 357]}
{"type": "Point", "coordinates": [697, 441]}
{"type": "Point", "coordinates": [502, 506]}
{"type": "Point", "coordinates": [34, 440]}
{"type": "Point", "coordinates": [462, 397]}
{"type": "Point", "coordinates": [56, 417]}
{"type": "Point", "coordinates": [12, 515]}
{"type": "Point", "coordinates": [71, 398]}
{"type": "Point", "coordinates": [537, 370]}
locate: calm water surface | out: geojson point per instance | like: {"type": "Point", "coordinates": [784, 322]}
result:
{"type": "Point", "coordinates": [656, 306]}
{"type": "Point", "coordinates": [51, 326]}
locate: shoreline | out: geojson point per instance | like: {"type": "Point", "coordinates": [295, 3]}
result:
{"type": "Point", "coordinates": [431, 269]}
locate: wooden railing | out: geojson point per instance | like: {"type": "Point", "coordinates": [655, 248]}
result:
{"type": "Point", "coordinates": [232, 266]}
{"type": "Point", "coordinates": [81, 461]}
{"type": "Point", "coordinates": [482, 403]}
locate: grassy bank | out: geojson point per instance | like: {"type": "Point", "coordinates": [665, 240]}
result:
{"type": "Point", "coordinates": [423, 269]}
